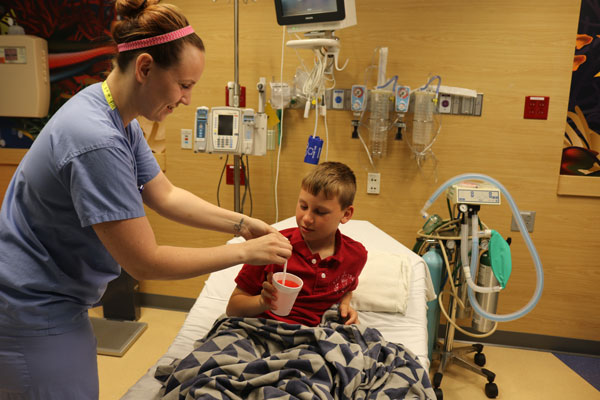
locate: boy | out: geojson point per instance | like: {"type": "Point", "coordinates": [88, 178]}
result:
{"type": "Point", "coordinates": [328, 262]}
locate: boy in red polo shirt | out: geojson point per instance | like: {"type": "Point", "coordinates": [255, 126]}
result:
{"type": "Point", "coordinates": [327, 261]}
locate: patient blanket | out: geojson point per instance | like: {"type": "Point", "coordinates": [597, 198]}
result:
{"type": "Point", "coordinates": [256, 358]}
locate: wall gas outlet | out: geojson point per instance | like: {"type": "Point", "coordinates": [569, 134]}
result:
{"type": "Point", "coordinates": [337, 102]}
{"type": "Point", "coordinates": [445, 104]}
{"type": "Point", "coordinates": [373, 182]}
{"type": "Point", "coordinates": [528, 218]}
{"type": "Point", "coordinates": [536, 107]}
{"type": "Point", "coordinates": [229, 175]}
{"type": "Point", "coordinates": [186, 138]}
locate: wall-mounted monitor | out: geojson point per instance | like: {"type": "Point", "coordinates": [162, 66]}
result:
{"type": "Point", "coordinates": [315, 15]}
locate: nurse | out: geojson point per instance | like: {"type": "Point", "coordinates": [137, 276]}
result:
{"type": "Point", "coordinates": [73, 215]}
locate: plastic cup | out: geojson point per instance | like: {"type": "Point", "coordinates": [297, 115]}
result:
{"type": "Point", "coordinates": [286, 292]}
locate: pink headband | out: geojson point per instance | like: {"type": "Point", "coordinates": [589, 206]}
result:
{"type": "Point", "coordinates": [153, 41]}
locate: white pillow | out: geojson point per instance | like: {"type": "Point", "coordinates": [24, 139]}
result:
{"type": "Point", "coordinates": [384, 283]}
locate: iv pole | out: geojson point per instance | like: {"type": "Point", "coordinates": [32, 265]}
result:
{"type": "Point", "coordinates": [236, 103]}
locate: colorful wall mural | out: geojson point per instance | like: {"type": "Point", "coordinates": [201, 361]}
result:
{"type": "Point", "coordinates": [79, 52]}
{"type": "Point", "coordinates": [582, 141]}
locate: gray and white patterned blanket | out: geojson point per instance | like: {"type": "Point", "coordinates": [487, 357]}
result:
{"type": "Point", "coordinates": [255, 358]}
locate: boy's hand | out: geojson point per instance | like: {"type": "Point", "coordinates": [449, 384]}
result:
{"type": "Point", "coordinates": [268, 294]}
{"type": "Point", "coordinates": [348, 314]}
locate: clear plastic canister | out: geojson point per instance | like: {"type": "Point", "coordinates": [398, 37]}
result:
{"type": "Point", "coordinates": [379, 122]}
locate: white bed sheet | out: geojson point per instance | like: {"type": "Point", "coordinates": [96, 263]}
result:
{"type": "Point", "coordinates": [409, 330]}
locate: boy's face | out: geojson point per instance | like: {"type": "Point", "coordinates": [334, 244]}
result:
{"type": "Point", "coordinates": [318, 217]}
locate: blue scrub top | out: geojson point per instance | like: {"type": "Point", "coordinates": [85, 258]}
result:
{"type": "Point", "coordinates": [84, 168]}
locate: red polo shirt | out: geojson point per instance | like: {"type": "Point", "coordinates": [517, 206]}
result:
{"type": "Point", "coordinates": [325, 280]}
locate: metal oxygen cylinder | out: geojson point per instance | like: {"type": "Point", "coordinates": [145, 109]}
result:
{"type": "Point", "coordinates": [435, 263]}
{"type": "Point", "coordinates": [487, 301]}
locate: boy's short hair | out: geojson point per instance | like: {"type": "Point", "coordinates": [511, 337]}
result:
{"type": "Point", "coordinates": [332, 179]}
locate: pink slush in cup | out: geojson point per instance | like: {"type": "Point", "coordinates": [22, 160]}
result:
{"type": "Point", "coordinates": [286, 292]}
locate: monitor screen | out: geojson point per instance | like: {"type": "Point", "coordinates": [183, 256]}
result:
{"type": "Point", "coordinates": [292, 12]}
{"type": "Point", "coordinates": [225, 125]}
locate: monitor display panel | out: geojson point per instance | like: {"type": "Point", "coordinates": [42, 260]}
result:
{"type": "Point", "coordinates": [225, 125]}
{"type": "Point", "coordinates": [293, 12]}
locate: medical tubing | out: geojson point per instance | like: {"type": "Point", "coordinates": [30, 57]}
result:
{"type": "Point", "coordinates": [280, 127]}
{"type": "Point", "coordinates": [362, 114]}
{"type": "Point", "coordinates": [458, 328]}
{"type": "Point", "coordinates": [437, 90]}
{"type": "Point", "coordinates": [449, 272]}
{"type": "Point", "coordinates": [316, 116]}
{"type": "Point", "coordinates": [394, 79]}
{"type": "Point", "coordinates": [530, 246]}
{"type": "Point", "coordinates": [326, 132]}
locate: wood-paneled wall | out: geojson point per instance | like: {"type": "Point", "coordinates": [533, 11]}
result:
{"type": "Point", "coordinates": [504, 49]}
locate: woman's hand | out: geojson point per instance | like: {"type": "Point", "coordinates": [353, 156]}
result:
{"type": "Point", "coordinates": [272, 248]}
{"type": "Point", "coordinates": [251, 228]}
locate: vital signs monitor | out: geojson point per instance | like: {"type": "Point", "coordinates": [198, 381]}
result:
{"type": "Point", "coordinates": [311, 15]}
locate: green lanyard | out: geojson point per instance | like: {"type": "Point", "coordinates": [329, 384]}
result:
{"type": "Point", "coordinates": [108, 96]}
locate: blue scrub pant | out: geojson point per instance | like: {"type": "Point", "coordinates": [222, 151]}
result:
{"type": "Point", "coordinates": [49, 367]}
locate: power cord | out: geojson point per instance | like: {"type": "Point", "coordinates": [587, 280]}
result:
{"type": "Point", "coordinates": [221, 180]}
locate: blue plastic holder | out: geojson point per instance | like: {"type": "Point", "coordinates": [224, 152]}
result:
{"type": "Point", "coordinates": [313, 150]}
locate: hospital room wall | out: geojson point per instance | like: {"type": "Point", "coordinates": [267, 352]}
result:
{"type": "Point", "coordinates": [504, 49]}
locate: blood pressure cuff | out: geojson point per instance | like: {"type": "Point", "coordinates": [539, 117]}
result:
{"type": "Point", "coordinates": [501, 259]}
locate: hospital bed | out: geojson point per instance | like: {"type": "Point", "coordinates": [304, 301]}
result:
{"type": "Point", "coordinates": [408, 328]}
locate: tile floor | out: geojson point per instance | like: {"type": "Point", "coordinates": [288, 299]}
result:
{"type": "Point", "coordinates": [520, 374]}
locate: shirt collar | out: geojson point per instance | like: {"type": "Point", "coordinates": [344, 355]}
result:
{"type": "Point", "coordinates": [299, 245]}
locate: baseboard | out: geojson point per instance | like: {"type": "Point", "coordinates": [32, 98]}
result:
{"type": "Point", "coordinates": [174, 303]}
{"type": "Point", "coordinates": [532, 341]}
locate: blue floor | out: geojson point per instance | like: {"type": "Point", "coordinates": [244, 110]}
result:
{"type": "Point", "coordinates": [587, 367]}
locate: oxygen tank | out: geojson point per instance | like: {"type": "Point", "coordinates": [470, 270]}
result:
{"type": "Point", "coordinates": [487, 301]}
{"type": "Point", "coordinates": [435, 263]}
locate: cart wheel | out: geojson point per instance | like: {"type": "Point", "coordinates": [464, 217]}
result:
{"type": "Point", "coordinates": [480, 359]}
{"type": "Point", "coordinates": [437, 380]}
{"type": "Point", "coordinates": [491, 390]}
{"type": "Point", "coordinates": [439, 395]}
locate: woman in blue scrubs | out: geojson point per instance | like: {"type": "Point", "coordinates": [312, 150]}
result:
{"type": "Point", "coordinates": [73, 214]}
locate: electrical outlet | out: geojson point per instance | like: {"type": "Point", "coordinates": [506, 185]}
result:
{"type": "Point", "coordinates": [373, 182]}
{"type": "Point", "coordinates": [528, 218]}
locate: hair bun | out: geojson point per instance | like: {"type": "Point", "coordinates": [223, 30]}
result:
{"type": "Point", "coordinates": [131, 8]}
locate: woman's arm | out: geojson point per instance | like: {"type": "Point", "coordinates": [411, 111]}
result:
{"type": "Point", "coordinates": [184, 207]}
{"type": "Point", "coordinates": [132, 244]}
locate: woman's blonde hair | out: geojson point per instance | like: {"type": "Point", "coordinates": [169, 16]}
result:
{"type": "Point", "coordinates": [333, 179]}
